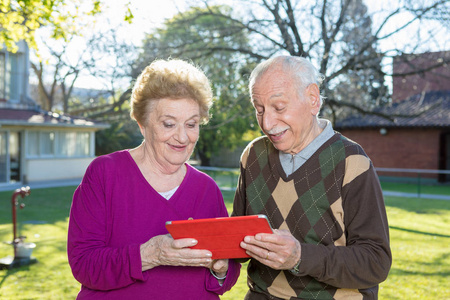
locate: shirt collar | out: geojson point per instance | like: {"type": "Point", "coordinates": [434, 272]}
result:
{"type": "Point", "coordinates": [309, 150]}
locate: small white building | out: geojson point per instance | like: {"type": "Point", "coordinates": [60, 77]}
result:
{"type": "Point", "coordinates": [37, 146]}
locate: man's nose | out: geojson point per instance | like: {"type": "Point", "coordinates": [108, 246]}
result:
{"type": "Point", "coordinates": [268, 121]}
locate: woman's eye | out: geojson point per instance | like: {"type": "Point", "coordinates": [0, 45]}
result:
{"type": "Point", "coordinates": [168, 125]}
{"type": "Point", "coordinates": [192, 125]}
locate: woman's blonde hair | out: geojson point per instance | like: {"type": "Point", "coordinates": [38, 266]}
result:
{"type": "Point", "coordinates": [170, 79]}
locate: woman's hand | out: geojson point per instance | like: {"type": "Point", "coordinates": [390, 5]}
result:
{"type": "Point", "coordinates": [219, 267]}
{"type": "Point", "coordinates": [164, 250]}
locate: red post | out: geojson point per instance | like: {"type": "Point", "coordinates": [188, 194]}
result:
{"type": "Point", "coordinates": [24, 191]}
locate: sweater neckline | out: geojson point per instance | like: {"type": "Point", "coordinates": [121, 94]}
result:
{"type": "Point", "coordinates": [174, 197]}
{"type": "Point", "coordinates": [274, 159]}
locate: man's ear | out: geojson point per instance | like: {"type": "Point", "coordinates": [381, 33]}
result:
{"type": "Point", "coordinates": [313, 93]}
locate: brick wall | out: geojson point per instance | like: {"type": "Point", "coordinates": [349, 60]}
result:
{"type": "Point", "coordinates": [399, 148]}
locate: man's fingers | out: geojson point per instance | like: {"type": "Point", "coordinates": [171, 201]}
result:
{"type": "Point", "coordinates": [255, 249]}
{"type": "Point", "coordinates": [278, 237]}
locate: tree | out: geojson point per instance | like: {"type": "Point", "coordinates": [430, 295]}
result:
{"type": "Point", "coordinates": [100, 56]}
{"type": "Point", "coordinates": [339, 36]}
{"type": "Point", "coordinates": [363, 86]}
{"type": "Point", "coordinates": [187, 36]}
{"type": "Point", "coordinates": [21, 19]}
{"type": "Point", "coordinates": [120, 135]}
{"type": "Point", "coordinates": [110, 61]}
{"type": "Point", "coordinates": [59, 85]}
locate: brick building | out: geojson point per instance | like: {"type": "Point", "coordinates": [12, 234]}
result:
{"type": "Point", "coordinates": [417, 136]}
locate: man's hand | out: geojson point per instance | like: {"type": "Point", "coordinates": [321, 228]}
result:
{"type": "Point", "coordinates": [280, 250]}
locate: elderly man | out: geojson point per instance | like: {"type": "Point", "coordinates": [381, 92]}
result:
{"type": "Point", "coordinates": [319, 191]}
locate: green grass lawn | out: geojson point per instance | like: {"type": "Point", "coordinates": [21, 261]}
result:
{"type": "Point", "coordinates": [420, 235]}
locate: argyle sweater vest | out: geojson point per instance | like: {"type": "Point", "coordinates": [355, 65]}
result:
{"type": "Point", "coordinates": [308, 203]}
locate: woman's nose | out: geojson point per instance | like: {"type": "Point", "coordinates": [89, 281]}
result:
{"type": "Point", "coordinates": [181, 134]}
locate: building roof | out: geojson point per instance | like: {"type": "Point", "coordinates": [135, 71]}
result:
{"type": "Point", "coordinates": [428, 110]}
{"type": "Point", "coordinates": [38, 117]}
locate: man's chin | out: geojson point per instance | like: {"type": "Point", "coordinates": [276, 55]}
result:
{"type": "Point", "coordinates": [278, 145]}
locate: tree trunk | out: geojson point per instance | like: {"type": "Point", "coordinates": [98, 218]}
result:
{"type": "Point", "coordinates": [204, 159]}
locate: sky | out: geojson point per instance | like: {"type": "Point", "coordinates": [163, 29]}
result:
{"type": "Point", "coordinates": [147, 13]}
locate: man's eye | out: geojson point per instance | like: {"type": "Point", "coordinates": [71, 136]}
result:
{"type": "Point", "coordinates": [279, 109]}
{"type": "Point", "coordinates": [259, 112]}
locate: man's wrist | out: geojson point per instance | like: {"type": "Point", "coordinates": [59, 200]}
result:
{"type": "Point", "coordinates": [296, 269]}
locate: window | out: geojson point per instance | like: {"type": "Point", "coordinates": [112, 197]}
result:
{"type": "Point", "coordinates": [83, 144]}
{"type": "Point", "coordinates": [3, 157]}
{"type": "Point", "coordinates": [16, 67]}
{"type": "Point", "coordinates": [59, 144]}
{"type": "Point", "coordinates": [67, 143]}
{"type": "Point", "coordinates": [2, 76]}
{"type": "Point", "coordinates": [33, 143]}
{"type": "Point", "coordinates": [11, 71]}
{"type": "Point", "coordinates": [47, 143]}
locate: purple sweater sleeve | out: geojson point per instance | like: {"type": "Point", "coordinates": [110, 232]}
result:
{"type": "Point", "coordinates": [93, 263]}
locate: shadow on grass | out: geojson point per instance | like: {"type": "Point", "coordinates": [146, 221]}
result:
{"type": "Point", "coordinates": [419, 232]}
{"type": "Point", "coordinates": [9, 272]}
{"type": "Point", "coordinates": [402, 272]}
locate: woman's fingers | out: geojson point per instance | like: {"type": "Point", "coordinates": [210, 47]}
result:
{"type": "Point", "coordinates": [182, 243]}
{"type": "Point", "coordinates": [178, 253]}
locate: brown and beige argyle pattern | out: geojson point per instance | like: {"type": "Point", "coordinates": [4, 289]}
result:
{"type": "Point", "coordinates": [308, 203]}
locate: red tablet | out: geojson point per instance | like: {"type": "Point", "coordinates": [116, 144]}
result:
{"type": "Point", "coordinates": [221, 236]}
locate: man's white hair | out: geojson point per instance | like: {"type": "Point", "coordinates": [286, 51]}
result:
{"type": "Point", "coordinates": [301, 69]}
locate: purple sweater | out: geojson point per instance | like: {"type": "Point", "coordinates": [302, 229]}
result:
{"type": "Point", "coordinates": [114, 211]}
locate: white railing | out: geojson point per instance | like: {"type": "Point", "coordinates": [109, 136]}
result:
{"type": "Point", "coordinates": [419, 176]}
{"type": "Point", "coordinates": [418, 171]}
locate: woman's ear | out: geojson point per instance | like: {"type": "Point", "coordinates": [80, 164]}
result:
{"type": "Point", "coordinates": [142, 129]}
{"type": "Point", "coordinates": [313, 94]}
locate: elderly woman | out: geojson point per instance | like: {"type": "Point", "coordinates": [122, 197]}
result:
{"type": "Point", "coordinates": [118, 246]}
